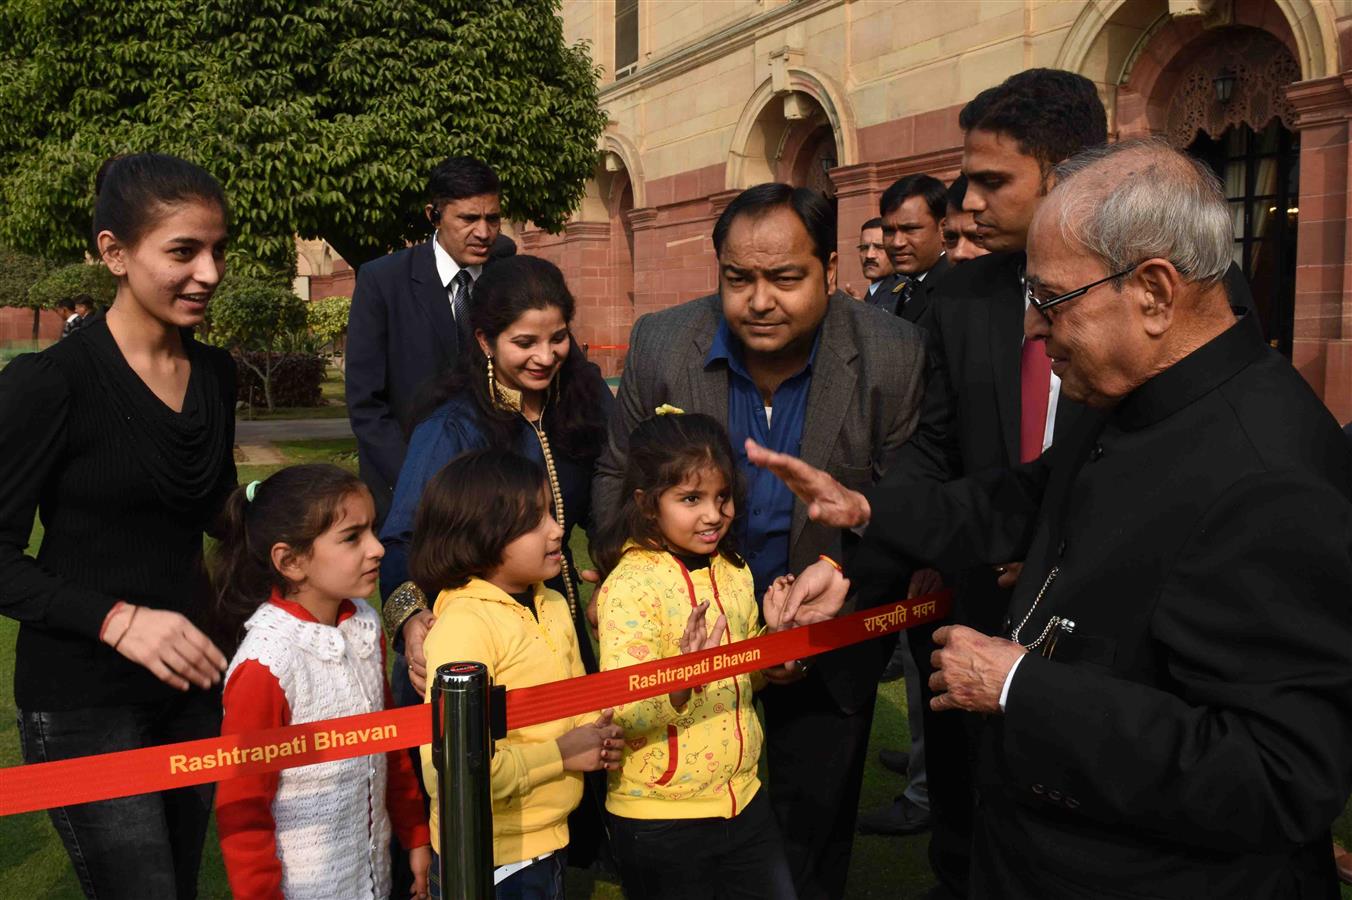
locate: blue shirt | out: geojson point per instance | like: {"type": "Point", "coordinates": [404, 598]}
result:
{"type": "Point", "coordinates": [768, 517]}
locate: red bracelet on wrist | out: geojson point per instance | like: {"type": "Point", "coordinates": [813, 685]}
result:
{"type": "Point", "coordinates": [835, 565]}
{"type": "Point", "coordinates": [103, 629]}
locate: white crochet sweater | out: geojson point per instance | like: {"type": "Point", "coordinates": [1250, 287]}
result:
{"type": "Point", "coordinates": [332, 827]}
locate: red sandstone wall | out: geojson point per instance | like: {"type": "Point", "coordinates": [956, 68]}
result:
{"type": "Point", "coordinates": [16, 324]}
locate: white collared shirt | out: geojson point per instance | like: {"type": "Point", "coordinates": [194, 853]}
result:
{"type": "Point", "coordinates": [448, 268]}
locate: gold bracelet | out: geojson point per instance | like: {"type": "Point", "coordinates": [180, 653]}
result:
{"type": "Point", "coordinates": [833, 564]}
{"type": "Point", "coordinates": [400, 606]}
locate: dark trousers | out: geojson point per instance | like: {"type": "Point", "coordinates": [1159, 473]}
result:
{"type": "Point", "coordinates": [740, 858]}
{"type": "Point", "coordinates": [950, 747]}
{"type": "Point", "coordinates": [539, 881]}
{"type": "Point", "coordinates": [146, 847]}
{"type": "Point", "coordinates": [816, 756]}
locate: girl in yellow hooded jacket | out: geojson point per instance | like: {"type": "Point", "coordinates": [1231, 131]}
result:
{"type": "Point", "coordinates": [687, 814]}
{"type": "Point", "coordinates": [484, 542]}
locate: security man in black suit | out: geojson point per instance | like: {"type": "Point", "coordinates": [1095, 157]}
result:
{"type": "Point", "coordinates": [408, 322]}
{"type": "Point", "coordinates": [1015, 133]}
{"type": "Point", "coordinates": [912, 212]}
{"type": "Point", "coordinates": [1167, 709]}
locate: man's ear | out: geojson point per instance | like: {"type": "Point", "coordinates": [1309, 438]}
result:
{"type": "Point", "coordinates": [831, 273]}
{"type": "Point", "coordinates": [1159, 284]}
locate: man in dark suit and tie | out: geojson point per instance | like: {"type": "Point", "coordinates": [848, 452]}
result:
{"type": "Point", "coordinates": [777, 355]}
{"type": "Point", "coordinates": [409, 316]}
{"type": "Point", "coordinates": [998, 394]}
{"type": "Point", "coordinates": [912, 212]}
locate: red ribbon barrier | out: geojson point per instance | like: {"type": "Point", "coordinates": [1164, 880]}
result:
{"type": "Point", "coordinates": [106, 776]}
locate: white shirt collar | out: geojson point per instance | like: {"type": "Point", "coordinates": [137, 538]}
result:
{"type": "Point", "coordinates": [448, 268]}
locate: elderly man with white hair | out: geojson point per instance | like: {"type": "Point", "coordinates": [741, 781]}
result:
{"type": "Point", "coordinates": [1170, 704]}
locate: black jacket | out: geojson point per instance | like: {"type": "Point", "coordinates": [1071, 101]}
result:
{"type": "Point", "coordinates": [890, 291]}
{"type": "Point", "coordinates": [1191, 737]}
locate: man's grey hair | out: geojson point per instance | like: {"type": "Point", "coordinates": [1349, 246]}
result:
{"type": "Point", "coordinates": [1141, 199]}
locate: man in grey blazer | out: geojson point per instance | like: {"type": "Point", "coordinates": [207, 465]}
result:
{"type": "Point", "coordinates": [778, 355]}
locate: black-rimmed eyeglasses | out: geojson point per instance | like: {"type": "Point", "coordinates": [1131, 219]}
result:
{"type": "Point", "coordinates": [1043, 305]}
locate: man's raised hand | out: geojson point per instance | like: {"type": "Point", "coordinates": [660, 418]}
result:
{"type": "Point", "coordinates": [828, 501]}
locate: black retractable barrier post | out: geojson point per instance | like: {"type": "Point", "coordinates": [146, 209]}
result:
{"type": "Point", "coordinates": [462, 753]}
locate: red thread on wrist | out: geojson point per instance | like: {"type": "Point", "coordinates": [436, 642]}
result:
{"type": "Point", "coordinates": [835, 565]}
{"type": "Point", "coordinates": [134, 611]}
{"type": "Point", "coordinates": [103, 629]}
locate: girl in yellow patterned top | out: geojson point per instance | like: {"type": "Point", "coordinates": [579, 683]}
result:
{"type": "Point", "coordinates": [687, 814]}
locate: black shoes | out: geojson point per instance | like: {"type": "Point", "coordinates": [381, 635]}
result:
{"type": "Point", "coordinates": [902, 817]}
{"type": "Point", "coordinates": [895, 760]}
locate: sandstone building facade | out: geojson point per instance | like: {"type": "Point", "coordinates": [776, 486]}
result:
{"type": "Point", "coordinates": [711, 96]}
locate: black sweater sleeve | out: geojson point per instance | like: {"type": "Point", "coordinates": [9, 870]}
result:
{"type": "Point", "coordinates": [34, 402]}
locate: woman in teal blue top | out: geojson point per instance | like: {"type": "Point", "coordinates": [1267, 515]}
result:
{"type": "Point", "coordinates": [524, 386]}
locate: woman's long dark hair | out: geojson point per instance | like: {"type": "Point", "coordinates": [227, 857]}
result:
{"type": "Point", "coordinates": [574, 419]}
{"type": "Point", "coordinates": [294, 506]}
{"type": "Point", "coordinates": [663, 452]}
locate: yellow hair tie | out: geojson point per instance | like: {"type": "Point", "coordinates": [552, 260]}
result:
{"type": "Point", "coordinates": [666, 409]}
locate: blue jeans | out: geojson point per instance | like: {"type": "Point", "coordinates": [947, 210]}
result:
{"type": "Point", "coordinates": [541, 881]}
{"type": "Point", "coordinates": [146, 847]}
{"type": "Point", "coordinates": [703, 859]}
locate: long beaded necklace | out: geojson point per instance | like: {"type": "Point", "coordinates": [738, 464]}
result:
{"type": "Point", "coordinates": [538, 427]}
{"type": "Point", "coordinates": [511, 399]}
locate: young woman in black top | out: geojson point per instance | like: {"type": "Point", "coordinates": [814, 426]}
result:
{"type": "Point", "coordinates": [121, 437]}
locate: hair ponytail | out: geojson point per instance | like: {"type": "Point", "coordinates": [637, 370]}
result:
{"type": "Point", "coordinates": [294, 507]}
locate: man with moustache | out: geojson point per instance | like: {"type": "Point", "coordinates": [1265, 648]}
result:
{"type": "Point", "coordinates": [1167, 707]}
{"type": "Point", "coordinates": [873, 259]}
{"type": "Point", "coordinates": [409, 316]}
{"type": "Point", "coordinates": [779, 357]}
{"type": "Point", "coordinates": [912, 212]}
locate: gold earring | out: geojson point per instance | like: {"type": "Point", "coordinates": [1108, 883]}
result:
{"type": "Point", "coordinates": [503, 398]}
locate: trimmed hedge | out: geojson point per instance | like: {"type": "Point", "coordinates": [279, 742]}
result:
{"type": "Point", "coordinates": [296, 379]}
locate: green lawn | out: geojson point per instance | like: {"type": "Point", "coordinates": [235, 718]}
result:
{"type": "Point", "coordinates": [33, 863]}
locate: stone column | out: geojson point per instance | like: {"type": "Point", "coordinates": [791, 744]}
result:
{"type": "Point", "coordinates": [1322, 344]}
{"type": "Point", "coordinates": [585, 261]}
{"type": "Point", "coordinates": [647, 259]}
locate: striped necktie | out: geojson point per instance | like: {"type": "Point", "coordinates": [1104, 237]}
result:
{"type": "Point", "coordinates": [459, 290]}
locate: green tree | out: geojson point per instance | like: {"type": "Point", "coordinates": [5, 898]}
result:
{"type": "Point", "coordinates": [257, 318]}
{"type": "Point", "coordinates": [18, 273]}
{"type": "Point", "coordinates": [327, 319]}
{"type": "Point", "coordinates": [321, 117]}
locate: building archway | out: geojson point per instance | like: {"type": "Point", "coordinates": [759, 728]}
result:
{"type": "Point", "coordinates": [791, 112]}
{"type": "Point", "coordinates": [1108, 38]}
{"type": "Point", "coordinates": [1222, 97]}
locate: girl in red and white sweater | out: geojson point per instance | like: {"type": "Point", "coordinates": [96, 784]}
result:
{"type": "Point", "coordinates": [298, 554]}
